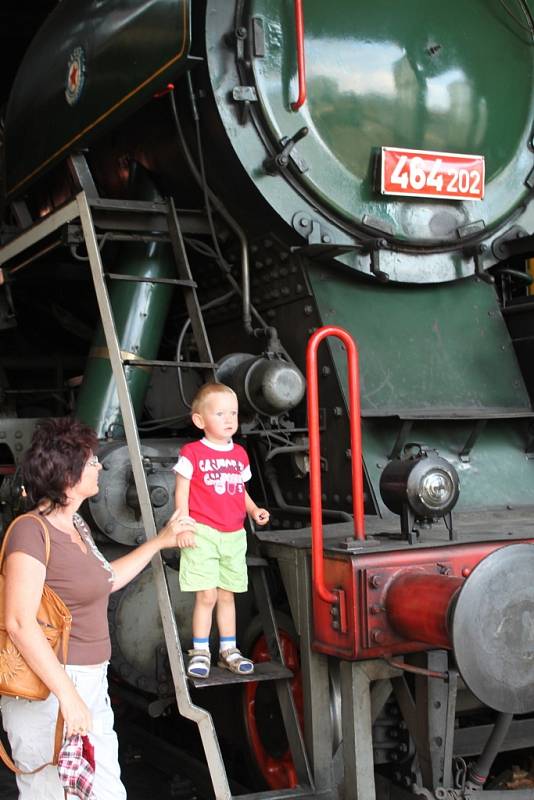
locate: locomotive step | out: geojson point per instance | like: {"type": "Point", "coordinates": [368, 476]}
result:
{"type": "Point", "coordinates": [265, 671]}
{"type": "Point", "coordinates": [115, 276]}
{"type": "Point", "coordinates": [298, 792]}
{"type": "Point", "coordinates": [146, 362]}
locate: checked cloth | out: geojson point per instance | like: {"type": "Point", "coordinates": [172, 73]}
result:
{"type": "Point", "coordinates": [76, 767]}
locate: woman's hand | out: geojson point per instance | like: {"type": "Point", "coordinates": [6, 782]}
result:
{"type": "Point", "coordinates": [179, 529]}
{"type": "Point", "coordinates": [75, 713]}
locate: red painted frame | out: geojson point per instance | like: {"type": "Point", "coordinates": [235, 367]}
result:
{"type": "Point", "coordinates": [365, 579]}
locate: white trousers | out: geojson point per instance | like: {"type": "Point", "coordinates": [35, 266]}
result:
{"type": "Point", "coordinates": [30, 727]}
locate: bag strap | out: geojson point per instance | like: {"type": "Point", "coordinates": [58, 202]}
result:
{"type": "Point", "coordinates": [10, 528]}
{"type": "Point", "coordinates": [58, 741]}
{"type": "Point", "coordinates": [58, 734]}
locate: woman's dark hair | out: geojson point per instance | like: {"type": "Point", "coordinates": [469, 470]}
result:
{"type": "Point", "coordinates": [55, 460]}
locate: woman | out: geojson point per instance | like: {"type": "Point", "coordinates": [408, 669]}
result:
{"type": "Point", "coordinates": [60, 471]}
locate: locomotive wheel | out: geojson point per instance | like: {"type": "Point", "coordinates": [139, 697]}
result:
{"type": "Point", "coordinates": [263, 721]}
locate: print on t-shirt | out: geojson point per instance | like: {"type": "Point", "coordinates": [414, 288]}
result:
{"type": "Point", "coordinates": [218, 475]}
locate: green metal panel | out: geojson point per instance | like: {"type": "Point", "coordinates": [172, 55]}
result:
{"type": "Point", "coordinates": [126, 49]}
{"type": "Point", "coordinates": [437, 348]}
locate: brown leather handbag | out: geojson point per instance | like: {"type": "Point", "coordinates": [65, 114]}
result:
{"type": "Point", "coordinates": [16, 677]}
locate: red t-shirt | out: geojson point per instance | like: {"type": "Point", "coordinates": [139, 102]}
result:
{"type": "Point", "coordinates": [217, 490]}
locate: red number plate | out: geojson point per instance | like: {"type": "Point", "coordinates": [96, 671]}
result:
{"type": "Point", "coordinates": [423, 173]}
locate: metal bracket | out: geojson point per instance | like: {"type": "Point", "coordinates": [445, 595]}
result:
{"type": "Point", "coordinates": [311, 229]}
{"type": "Point", "coordinates": [81, 173]}
{"type": "Point", "coordinates": [465, 453]}
{"type": "Point", "coordinates": [479, 270]}
{"type": "Point", "coordinates": [402, 435]}
{"type": "Point", "coordinates": [278, 163]}
{"type": "Point", "coordinates": [514, 241]}
{"type": "Point", "coordinates": [245, 95]}
{"type": "Point", "coordinates": [374, 253]}
{"type": "Point", "coordinates": [529, 447]}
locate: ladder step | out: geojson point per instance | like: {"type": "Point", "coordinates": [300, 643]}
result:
{"type": "Point", "coordinates": [298, 793]}
{"type": "Point", "coordinates": [257, 561]}
{"type": "Point", "coordinates": [137, 279]}
{"type": "Point", "coordinates": [142, 362]}
{"type": "Point", "coordinates": [265, 671]}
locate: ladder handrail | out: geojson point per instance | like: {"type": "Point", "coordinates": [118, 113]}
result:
{"type": "Point", "coordinates": [315, 450]}
{"type": "Point", "coordinates": [170, 630]}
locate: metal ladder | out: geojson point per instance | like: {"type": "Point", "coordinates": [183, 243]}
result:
{"type": "Point", "coordinates": [82, 207]}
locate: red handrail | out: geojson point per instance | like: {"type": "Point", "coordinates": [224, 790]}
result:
{"type": "Point", "coordinates": [301, 64]}
{"type": "Point", "coordinates": [315, 450]}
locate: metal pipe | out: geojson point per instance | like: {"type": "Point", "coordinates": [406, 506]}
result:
{"type": "Point", "coordinates": [211, 197]}
{"type": "Point", "coordinates": [315, 450]}
{"type": "Point", "coordinates": [479, 772]}
{"type": "Point", "coordinates": [301, 63]}
{"type": "Point", "coordinates": [272, 479]}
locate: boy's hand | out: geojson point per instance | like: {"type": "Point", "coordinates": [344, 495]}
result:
{"type": "Point", "coordinates": [186, 539]}
{"type": "Point", "coordinates": [260, 516]}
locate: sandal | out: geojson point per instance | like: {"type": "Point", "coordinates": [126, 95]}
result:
{"type": "Point", "coordinates": [199, 663]}
{"type": "Point", "coordinates": [233, 660]}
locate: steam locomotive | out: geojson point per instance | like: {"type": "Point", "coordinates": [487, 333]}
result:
{"type": "Point", "coordinates": [348, 172]}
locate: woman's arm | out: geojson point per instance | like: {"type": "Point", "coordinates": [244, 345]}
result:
{"type": "Point", "coordinates": [130, 565]}
{"type": "Point", "coordinates": [25, 578]}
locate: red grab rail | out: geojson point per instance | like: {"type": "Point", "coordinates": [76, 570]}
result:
{"type": "Point", "coordinates": [301, 64]}
{"type": "Point", "coordinates": [315, 450]}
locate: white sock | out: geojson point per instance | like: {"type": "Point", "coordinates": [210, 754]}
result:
{"type": "Point", "coordinates": [226, 643]}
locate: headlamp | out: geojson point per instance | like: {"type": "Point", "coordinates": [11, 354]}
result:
{"type": "Point", "coordinates": [427, 483]}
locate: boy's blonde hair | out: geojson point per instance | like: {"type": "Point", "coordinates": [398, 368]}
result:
{"type": "Point", "coordinates": [199, 400]}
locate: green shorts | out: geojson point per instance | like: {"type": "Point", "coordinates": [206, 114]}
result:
{"type": "Point", "coordinates": [218, 561]}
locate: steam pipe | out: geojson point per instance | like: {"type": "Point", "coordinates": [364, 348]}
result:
{"type": "Point", "coordinates": [478, 773]}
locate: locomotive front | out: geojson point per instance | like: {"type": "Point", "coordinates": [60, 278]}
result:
{"type": "Point", "coordinates": [356, 165]}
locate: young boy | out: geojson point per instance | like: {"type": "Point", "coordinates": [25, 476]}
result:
{"type": "Point", "coordinates": [210, 486]}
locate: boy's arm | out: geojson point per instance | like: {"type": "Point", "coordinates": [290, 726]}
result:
{"type": "Point", "coordinates": [181, 494]}
{"type": "Point", "coordinates": [259, 515]}
{"type": "Point", "coordinates": [181, 501]}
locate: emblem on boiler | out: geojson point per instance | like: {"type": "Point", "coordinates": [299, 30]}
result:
{"type": "Point", "coordinates": [75, 76]}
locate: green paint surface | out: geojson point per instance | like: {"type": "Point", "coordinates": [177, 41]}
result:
{"type": "Point", "coordinates": [436, 348]}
